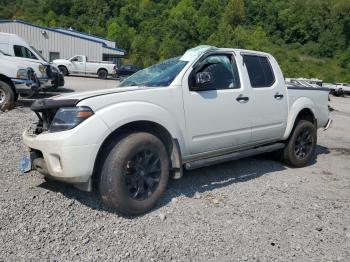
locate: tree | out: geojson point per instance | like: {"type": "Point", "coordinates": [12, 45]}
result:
{"type": "Point", "coordinates": [234, 13]}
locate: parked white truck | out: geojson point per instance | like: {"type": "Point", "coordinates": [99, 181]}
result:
{"type": "Point", "coordinates": [81, 65]}
{"type": "Point", "coordinates": [15, 79]}
{"type": "Point", "coordinates": [341, 89]}
{"type": "Point", "coordinates": [208, 106]}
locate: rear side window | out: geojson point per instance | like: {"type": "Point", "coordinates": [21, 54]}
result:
{"type": "Point", "coordinates": [21, 51]}
{"type": "Point", "coordinates": [259, 71]}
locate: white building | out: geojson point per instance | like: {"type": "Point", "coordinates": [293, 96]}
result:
{"type": "Point", "coordinates": [54, 43]}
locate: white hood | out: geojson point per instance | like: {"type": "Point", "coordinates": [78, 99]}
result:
{"type": "Point", "coordinates": [88, 94]}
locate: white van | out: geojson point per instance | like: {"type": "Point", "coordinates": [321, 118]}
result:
{"type": "Point", "coordinates": [14, 45]}
{"type": "Point", "coordinates": [17, 47]}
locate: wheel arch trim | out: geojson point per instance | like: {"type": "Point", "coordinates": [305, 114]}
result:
{"type": "Point", "coordinates": [299, 106]}
{"type": "Point", "coordinates": [171, 143]}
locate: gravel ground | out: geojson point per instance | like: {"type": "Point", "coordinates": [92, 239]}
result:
{"type": "Point", "coordinates": [254, 209]}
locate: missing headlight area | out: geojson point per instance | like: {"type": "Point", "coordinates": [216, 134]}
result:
{"type": "Point", "coordinates": [46, 109]}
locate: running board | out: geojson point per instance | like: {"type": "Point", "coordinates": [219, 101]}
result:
{"type": "Point", "coordinates": [233, 156]}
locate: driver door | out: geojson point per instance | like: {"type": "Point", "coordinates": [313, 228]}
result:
{"type": "Point", "coordinates": [78, 65]}
{"type": "Point", "coordinates": [217, 113]}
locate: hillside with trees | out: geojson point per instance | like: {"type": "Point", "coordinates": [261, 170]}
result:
{"type": "Point", "coordinates": [309, 38]}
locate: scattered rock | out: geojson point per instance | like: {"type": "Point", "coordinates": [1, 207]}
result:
{"type": "Point", "coordinates": [162, 217]}
{"type": "Point", "coordinates": [86, 240]}
{"type": "Point", "coordinates": [197, 195]}
{"type": "Point", "coordinates": [319, 229]}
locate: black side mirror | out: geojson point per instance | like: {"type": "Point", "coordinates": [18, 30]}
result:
{"type": "Point", "coordinates": [202, 78]}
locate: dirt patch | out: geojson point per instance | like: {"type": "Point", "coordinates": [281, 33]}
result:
{"type": "Point", "coordinates": [341, 151]}
{"type": "Point", "coordinates": [327, 173]}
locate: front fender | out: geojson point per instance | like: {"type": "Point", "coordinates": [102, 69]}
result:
{"type": "Point", "coordinates": [124, 113]}
{"type": "Point", "coordinates": [297, 106]}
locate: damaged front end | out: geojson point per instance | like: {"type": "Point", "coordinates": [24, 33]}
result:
{"type": "Point", "coordinates": [46, 109]}
{"type": "Point", "coordinates": [53, 152]}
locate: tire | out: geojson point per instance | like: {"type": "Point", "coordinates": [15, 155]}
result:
{"type": "Point", "coordinates": [301, 145]}
{"type": "Point", "coordinates": [102, 74]}
{"type": "Point", "coordinates": [135, 174]}
{"type": "Point", "coordinates": [7, 96]}
{"type": "Point", "coordinates": [64, 70]}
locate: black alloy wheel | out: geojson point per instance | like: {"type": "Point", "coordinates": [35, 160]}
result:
{"type": "Point", "coordinates": [134, 173]}
{"type": "Point", "coordinates": [303, 144]}
{"type": "Point", "coordinates": [142, 174]}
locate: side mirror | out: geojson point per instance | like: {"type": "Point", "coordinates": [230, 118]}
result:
{"type": "Point", "coordinates": [202, 78]}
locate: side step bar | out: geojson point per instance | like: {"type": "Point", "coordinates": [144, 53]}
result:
{"type": "Point", "coordinates": [233, 156]}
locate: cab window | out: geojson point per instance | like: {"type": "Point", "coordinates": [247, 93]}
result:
{"type": "Point", "coordinates": [259, 71]}
{"type": "Point", "coordinates": [21, 51]}
{"type": "Point", "coordinates": [77, 59]}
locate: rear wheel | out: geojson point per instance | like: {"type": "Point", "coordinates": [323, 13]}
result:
{"type": "Point", "coordinates": [102, 74]}
{"type": "Point", "coordinates": [135, 174]}
{"type": "Point", "coordinates": [301, 145]}
{"type": "Point", "coordinates": [7, 96]}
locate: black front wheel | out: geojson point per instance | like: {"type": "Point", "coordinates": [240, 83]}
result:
{"type": "Point", "coordinates": [63, 70]}
{"type": "Point", "coordinates": [301, 145]}
{"type": "Point", "coordinates": [135, 174]}
{"type": "Point", "coordinates": [7, 96]}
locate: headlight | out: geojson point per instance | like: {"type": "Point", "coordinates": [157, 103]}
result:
{"type": "Point", "coordinates": [69, 117]}
{"type": "Point", "coordinates": [22, 74]}
{"type": "Point", "coordinates": [42, 70]}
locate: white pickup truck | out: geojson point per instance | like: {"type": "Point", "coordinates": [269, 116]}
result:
{"type": "Point", "coordinates": [80, 65]}
{"type": "Point", "coordinates": [341, 89]}
{"type": "Point", "coordinates": [15, 79]}
{"type": "Point", "coordinates": [209, 106]}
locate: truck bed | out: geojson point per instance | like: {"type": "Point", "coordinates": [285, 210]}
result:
{"type": "Point", "coordinates": [318, 98]}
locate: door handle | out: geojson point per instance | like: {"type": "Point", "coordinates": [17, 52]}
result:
{"type": "Point", "coordinates": [242, 99]}
{"type": "Point", "coordinates": [278, 96]}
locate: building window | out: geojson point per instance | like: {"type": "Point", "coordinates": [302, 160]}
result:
{"type": "Point", "coordinates": [112, 58]}
{"type": "Point", "coordinates": [54, 56]}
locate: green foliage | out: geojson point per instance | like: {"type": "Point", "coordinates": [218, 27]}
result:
{"type": "Point", "coordinates": [309, 38]}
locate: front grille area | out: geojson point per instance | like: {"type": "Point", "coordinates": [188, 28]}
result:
{"type": "Point", "coordinates": [45, 120]}
{"type": "Point", "coordinates": [46, 109]}
{"type": "Point", "coordinates": [31, 75]}
{"type": "Point", "coordinates": [48, 71]}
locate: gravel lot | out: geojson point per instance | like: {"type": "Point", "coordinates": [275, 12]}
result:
{"type": "Point", "coordinates": [78, 84]}
{"type": "Point", "coordinates": [254, 209]}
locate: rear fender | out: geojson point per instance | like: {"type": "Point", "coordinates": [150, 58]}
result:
{"type": "Point", "coordinates": [295, 109]}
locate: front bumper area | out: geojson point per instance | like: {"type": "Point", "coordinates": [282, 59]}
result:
{"type": "Point", "coordinates": [25, 86]}
{"type": "Point", "coordinates": [65, 156]}
{"type": "Point", "coordinates": [72, 164]}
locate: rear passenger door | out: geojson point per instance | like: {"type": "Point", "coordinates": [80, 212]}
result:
{"type": "Point", "coordinates": [268, 99]}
